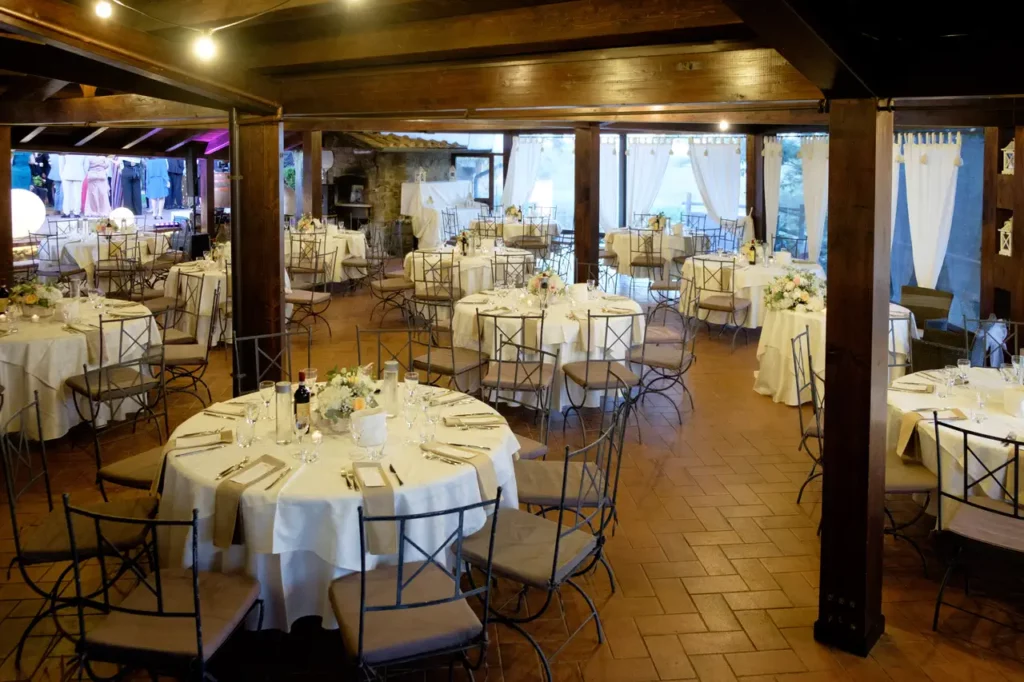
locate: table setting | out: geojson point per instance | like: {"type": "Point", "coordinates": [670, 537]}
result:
{"type": "Point", "coordinates": [277, 482]}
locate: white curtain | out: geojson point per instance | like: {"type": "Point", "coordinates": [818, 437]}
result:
{"type": "Point", "coordinates": [772, 154]}
{"type": "Point", "coordinates": [645, 170]}
{"type": "Point", "coordinates": [932, 161]}
{"type": "Point", "coordinates": [716, 167]}
{"type": "Point", "coordinates": [523, 167]}
{"type": "Point", "coordinates": [609, 210]}
{"type": "Point", "coordinates": [814, 162]}
{"type": "Point", "coordinates": [897, 159]}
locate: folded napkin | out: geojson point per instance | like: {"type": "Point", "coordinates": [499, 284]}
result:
{"type": "Point", "coordinates": [615, 297]}
{"type": "Point", "coordinates": [908, 430]}
{"type": "Point", "coordinates": [378, 500]}
{"type": "Point", "coordinates": [131, 316]}
{"type": "Point", "coordinates": [578, 292]}
{"type": "Point", "coordinates": [130, 304]}
{"type": "Point", "coordinates": [485, 476]}
{"type": "Point", "coordinates": [496, 311]}
{"type": "Point", "coordinates": [226, 529]}
{"type": "Point", "coordinates": [448, 399]}
{"type": "Point", "coordinates": [371, 425]}
{"type": "Point", "coordinates": [910, 387]}
{"type": "Point", "coordinates": [226, 410]}
{"type": "Point", "coordinates": [201, 439]}
{"type": "Point", "coordinates": [475, 298]}
{"type": "Point", "coordinates": [618, 311]}
{"type": "Point", "coordinates": [482, 420]}
{"type": "Point", "coordinates": [92, 340]}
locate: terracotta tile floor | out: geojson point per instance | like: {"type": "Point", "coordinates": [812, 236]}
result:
{"type": "Point", "coordinates": [717, 566]}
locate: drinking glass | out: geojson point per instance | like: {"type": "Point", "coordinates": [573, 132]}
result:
{"type": "Point", "coordinates": [252, 412]}
{"type": "Point", "coordinates": [979, 407]}
{"type": "Point", "coordinates": [410, 413]}
{"type": "Point", "coordinates": [13, 315]}
{"type": "Point", "coordinates": [962, 366]}
{"type": "Point", "coordinates": [412, 380]}
{"type": "Point", "coordinates": [310, 378]}
{"type": "Point", "coordinates": [432, 417]}
{"type": "Point", "coordinates": [591, 286]}
{"type": "Point", "coordinates": [65, 314]}
{"type": "Point", "coordinates": [313, 454]}
{"type": "Point", "coordinates": [300, 427]}
{"type": "Point", "coordinates": [245, 433]}
{"type": "Point", "coordinates": [359, 453]}
{"type": "Point", "coordinates": [1018, 366]}
{"type": "Point", "coordinates": [1007, 372]}
{"type": "Point", "coordinates": [267, 394]}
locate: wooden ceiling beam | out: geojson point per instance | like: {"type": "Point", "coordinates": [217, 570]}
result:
{"type": "Point", "coordinates": [35, 88]}
{"type": "Point", "coordinates": [79, 31]}
{"type": "Point", "coordinates": [199, 13]}
{"type": "Point", "coordinates": [608, 77]}
{"type": "Point", "coordinates": [575, 24]}
{"type": "Point", "coordinates": [106, 110]}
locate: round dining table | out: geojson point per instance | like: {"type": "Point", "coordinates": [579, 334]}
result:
{"type": "Point", "coordinates": [302, 533]}
{"type": "Point", "coordinates": [565, 326]}
{"type": "Point", "coordinates": [40, 356]}
{"type": "Point", "coordinates": [774, 376]}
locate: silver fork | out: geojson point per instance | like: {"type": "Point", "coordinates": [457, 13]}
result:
{"type": "Point", "coordinates": [232, 469]}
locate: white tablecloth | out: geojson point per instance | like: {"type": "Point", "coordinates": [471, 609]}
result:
{"type": "Point", "coordinates": [510, 230]}
{"type": "Point", "coordinates": [304, 532]}
{"type": "Point", "coordinates": [775, 355]}
{"type": "Point", "coordinates": [41, 356]}
{"type": "Point", "coordinates": [671, 246]}
{"type": "Point", "coordinates": [475, 271]}
{"type": "Point", "coordinates": [85, 252]}
{"type": "Point", "coordinates": [750, 283]}
{"type": "Point", "coordinates": [424, 201]}
{"type": "Point", "coordinates": [562, 333]}
{"type": "Point", "coordinates": [348, 243]}
{"type": "Point", "coordinates": [996, 423]}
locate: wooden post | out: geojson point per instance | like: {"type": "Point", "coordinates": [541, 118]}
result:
{"type": "Point", "coordinates": [755, 183]}
{"type": "Point", "coordinates": [206, 194]}
{"type": "Point", "coordinates": [623, 218]}
{"type": "Point", "coordinates": [506, 155]}
{"type": "Point", "coordinates": [6, 228]}
{"type": "Point", "coordinates": [586, 221]}
{"type": "Point", "coordinates": [188, 187]}
{"type": "Point", "coordinates": [257, 245]}
{"type": "Point", "coordinates": [312, 189]}
{"type": "Point", "coordinates": [856, 359]}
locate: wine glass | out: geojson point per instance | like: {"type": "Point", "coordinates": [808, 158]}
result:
{"type": "Point", "coordinates": [13, 315]}
{"type": "Point", "coordinates": [591, 286]}
{"type": "Point", "coordinates": [962, 365]}
{"type": "Point", "coordinates": [300, 425]}
{"type": "Point", "coordinates": [310, 373]}
{"type": "Point", "coordinates": [267, 394]}
{"type": "Point", "coordinates": [1007, 372]}
{"type": "Point", "coordinates": [412, 380]}
{"type": "Point", "coordinates": [410, 413]}
{"type": "Point", "coordinates": [314, 453]}
{"type": "Point", "coordinates": [356, 435]}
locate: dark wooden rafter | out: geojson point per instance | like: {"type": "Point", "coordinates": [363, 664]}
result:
{"type": "Point", "coordinates": [34, 88]}
{"type": "Point", "coordinates": [79, 32]}
{"type": "Point", "coordinates": [110, 109]}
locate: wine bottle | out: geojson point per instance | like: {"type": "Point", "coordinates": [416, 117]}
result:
{"type": "Point", "coordinates": [302, 400]}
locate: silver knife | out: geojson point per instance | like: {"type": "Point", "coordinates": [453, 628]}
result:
{"type": "Point", "coordinates": [233, 468]}
{"type": "Point", "coordinates": [472, 447]}
{"type": "Point", "coordinates": [203, 449]}
{"type": "Point", "coordinates": [278, 479]}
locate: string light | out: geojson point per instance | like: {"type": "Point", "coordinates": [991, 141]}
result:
{"type": "Point", "coordinates": [204, 47]}
{"type": "Point", "coordinates": [104, 9]}
{"type": "Point", "coordinates": [723, 125]}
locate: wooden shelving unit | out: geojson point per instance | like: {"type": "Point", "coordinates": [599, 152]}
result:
{"type": "Point", "coordinates": [1002, 277]}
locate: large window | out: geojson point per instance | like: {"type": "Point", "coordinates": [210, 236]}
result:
{"type": "Point", "coordinates": [792, 219]}
{"type": "Point", "coordinates": [556, 178]}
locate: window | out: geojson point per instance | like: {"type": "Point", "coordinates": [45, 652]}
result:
{"type": "Point", "coordinates": [479, 170]}
{"type": "Point", "coordinates": [792, 220]}
{"type": "Point", "coordinates": [556, 178]}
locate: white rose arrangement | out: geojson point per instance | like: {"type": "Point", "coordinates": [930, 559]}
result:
{"type": "Point", "coordinates": [797, 290]}
{"type": "Point", "coordinates": [308, 223]}
{"type": "Point", "coordinates": [346, 392]}
{"type": "Point", "coordinates": [555, 283]}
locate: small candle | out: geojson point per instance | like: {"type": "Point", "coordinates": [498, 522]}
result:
{"type": "Point", "coordinates": [35, 317]}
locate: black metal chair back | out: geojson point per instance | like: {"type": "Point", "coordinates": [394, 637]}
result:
{"type": "Point", "coordinates": [645, 246]}
{"type": "Point", "coordinates": [65, 227]}
{"type": "Point", "coordinates": [117, 247]}
{"type": "Point", "coordinates": [305, 252]}
{"type": "Point", "coordinates": [796, 246]}
{"type": "Point", "coordinates": [693, 222]}
{"type": "Point", "coordinates": [991, 342]}
{"type": "Point", "coordinates": [449, 223]}
{"type": "Point", "coordinates": [388, 344]}
{"type": "Point", "coordinates": [926, 304]}
{"type": "Point", "coordinates": [24, 462]}
{"type": "Point", "coordinates": [435, 276]}
{"type": "Point", "coordinates": [806, 382]}
{"type": "Point", "coordinates": [715, 276]}
{"type": "Point", "coordinates": [489, 227]}
{"type": "Point", "coordinates": [266, 357]}
{"type": "Point", "coordinates": [550, 213]}
{"type": "Point", "coordinates": [512, 268]}
{"type": "Point", "coordinates": [928, 355]}
{"type": "Point", "coordinates": [896, 321]}
{"type": "Point", "coordinates": [516, 353]}
{"type": "Point", "coordinates": [613, 335]}
{"type": "Point", "coordinates": [731, 234]}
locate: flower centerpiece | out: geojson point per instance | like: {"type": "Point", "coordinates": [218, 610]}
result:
{"type": "Point", "coordinates": [106, 226]}
{"type": "Point", "coordinates": [514, 213]}
{"type": "Point", "coordinates": [36, 298]}
{"type": "Point", "coordinates": [657, 222]}
{"type": "Point", "coordinates": [346, 392]}
{"type": "Point", "coordinates": [797, 290]}
{"type": "Point", "coordinates": [308, 223]}
{"type": "Point", "coordinates": [545, 280]}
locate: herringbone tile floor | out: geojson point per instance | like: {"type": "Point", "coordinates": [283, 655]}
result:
{"type": "Point", "coordinates": [717, 566]}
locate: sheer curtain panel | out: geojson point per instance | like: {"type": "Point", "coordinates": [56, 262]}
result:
{"type": "Point", "coordinates": [772, 155]}
{"type": "Point", "coordinates": [716, 168]}
{"type": "Point", "coordinates": [932, 161]}
{"type": "Point", "coordinates": [645, 170]}
{"type": "Point", "coordinates": [814, 162]}
{"type": "Point", "coordinates": [523, 168]}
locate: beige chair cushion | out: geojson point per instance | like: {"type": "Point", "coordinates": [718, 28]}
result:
{"type": "Point", "coordinates": [308, 297]}
{"type": "Point", "coordinates": [524, 375]}
{"type": "Point", "coordinates": [137, 471]}
{"type": "Point", "coordinates": [984, 526]}
{"type": "Point", "coordinates": [160, 304]}
{"type": "Point", "coordinates": [224, 600]}
{"type": "Point", "coordinates": [62, 271]}
{"type": "Point", "coordinates": [147, 294]}
{"type": "Point", "coordinates": [355, 263]}
{"type": "Point", "coordinates": [662, 285]}
{"type": "Point", "coordinates": [540, 482]}
{"type": "Point", "coordinates": [659, 334]}
{"type": "Point", "coordinates": [647, 261]}
{"type": "Point", "coordinates": [524, 548]}
{"type": "Point", "coordinates": [662, 356]}
{"type": "Point", "coordinates": [397, 273]}
{"type": "Point", "coordinates": [48, 540]}
{"type": "Point", "coordinates": [530, 448]}
{"type": "Point", "coordinates": [116, 383]}
{"type": "Point", "coordinates": [185, 354]}
{"type": "Point", "coordinates": [302, 270]}
{"type": "Point", "coordinates": [390, 635]}
{"type": "Point", "coordinates": [679, 259]}
{"type": "Point", "coordinates": [176, 337]}
{"type": "Point", "coordinates": [601, 374]}
{"type": "Point", "coordinates": [441, 361]}
{"type": "Point", "coordinates": [607, 255]}
{"type": "Point", "coordinates": [723, 303]}
{"type": "Point", "coordinates": [392, 284]}
{"type": "Point", "coordinates": [901, 477]}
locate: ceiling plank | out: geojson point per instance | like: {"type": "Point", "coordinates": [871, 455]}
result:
{"type": "Point", "coordinates": [80, 32]}
{"type": "Point", "coordinates": [32, 135]}
{"type": "Point", "coordinates": [35, 88]}
{"type": "Point", "coordinates": [200, 12]}
{"type": "Point", "coordinates": [91, 136]}
{"type": "Point", "coordinates": [564, 25]}
{"type": "Point", "coordinates": [109, 109]}
{"type": "Point", "coordinates": [605, 77]}
{"type": "Point", "coordinates": [142, 138]}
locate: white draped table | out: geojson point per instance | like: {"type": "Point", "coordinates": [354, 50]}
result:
{"type": "Point", "coordinates": [672, 245]}
{"type": "Point", "coordinates": [512, 229]}
{"type": "Point", "coordinates": [564, 331]}
{"type": "Point", "coordinates": [751, 281]}
{"type": "Point", "coordinates": [41, 356]}
{"type": "Point", "coordinates": [347, 243]}
{"type": "Point", "coordinates": [85, 252]}
{"type": "Point", "coordinates": [775, 355]}
{"type": "Point", "coordinates": [424, 201]}
{"type": "Point", "coordinates": [475, 271]}
{"type": "Point", "coordinates": [304, 532]}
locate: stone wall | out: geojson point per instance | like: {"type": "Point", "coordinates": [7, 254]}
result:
{"type": "Point", "coordinates": [385, 173]}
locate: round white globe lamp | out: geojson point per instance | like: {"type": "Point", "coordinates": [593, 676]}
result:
{"type": "Point", "coordinates": [28, 213]}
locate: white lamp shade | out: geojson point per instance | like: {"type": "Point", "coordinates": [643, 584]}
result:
{"type": "Point", "coordinates": [122, 215]}
{"type": "Point", "coordinates": [28, 213]}
{"type": "Point", "coordinates": [326, 159]}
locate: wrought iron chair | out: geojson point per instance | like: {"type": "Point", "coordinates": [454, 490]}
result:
{"type": "Point", "coordinates": [306, 253]}
{"type": "Point", "coordinates": [547, 553]}
{"type": "Point", "coordinates": [489, 227]}
{"type": "Point", "coordinates": [731, 235]}
{"type": "Point", "coordinates": [395, 615]}
{"type": "Point", "coordinates": [716, 287]}
{"type": "Point", "coordinates": [645, 255]}
{"type": "Point", "coordinates": [797, 246]}
{"type": "Point", "coordinates": [512, 268]}
{"type": "Point", "coordinates": [807, 389]}
{"type": "Point", "coordinates": [158, 626]}
{"type": "Point", "coordinates": [181, 321]}
{"type": "Point", "coordinates": [116, 252]}
{"type": "Point", "coordinates": [991, 342]}
{"type": "Point", "coordinates": [905, 363]}
{"type": "Point", "coordinates": [26, 259]}
{"type": "Point", "coordinates": [268, 357]}
{"type": "Point", "coordinates": [55, 264]}
{"type": "Point", "coordinates": [693, 222]}
{"type": "Point", "coordinates": [45, 541]}
{"type": "Point", "coordinates": [65, 227]}
{"type": "Point", "coordinates": [186, 364]}
{"type": "Point", "coordinates": [549, 213]}
{"type": "Point", "coordinates": [442, 359]}
{"type": "Point", "coordinates": [387, 344]}
{"type": "Point", "coordinates": [605, 276]}
{"type": "Point", "coordinates": [536, 238]}
{"type": "Point", "coordinates": [449, 225]}
{"type": "Point", "coordinates": [928, 355]}
{"type": "Point", "coordinates": [314, 298]}
{"type": "Point", "coordinates": [436, 284]}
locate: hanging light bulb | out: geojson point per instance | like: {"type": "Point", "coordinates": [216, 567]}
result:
{"type": "Point", "coordinates": [723, 125]}
{"type": "Point", "coordinates": [204, 47]}
{"type": "Point", "coordinates": [104, 9]}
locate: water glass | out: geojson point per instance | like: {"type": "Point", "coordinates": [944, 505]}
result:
{"type": "Point", "coordinates": [1018, 366]}
{"type": "Point", "coordinates": [252, 413]}
{"type": "Point", "coordinates": [245, 433]}
{"type": "Point", "coordinates": [310, 373]}
{"type": "Point", "coordinates": [313, 454]}
{"type": "Point", "coordinates": [1007, 372]}
{"type": "Point", "coordinates": [410, 413]}
{"type": "Point", "coordinates": [267, 394]}
{"type": "Point", "coordinates": [979, 409]}
{"type": "Point", "coordinates": [412, 380]}
{"type": "Point", "coordinates": [591, 286]}
{"type": "Point", "coordinates": [962, 366]}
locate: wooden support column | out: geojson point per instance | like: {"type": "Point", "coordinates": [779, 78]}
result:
{"type": "Point", "coordinates": [312, 188]}
{"type": "Point", "coordinates": [506, 155]}
{"type": "Point", "coordinates": [206, 194]}
{"type": "Point", "coordinates": [257, 246]}
{"type": "Point", "coordinates": [860, 173]}
{"type": "Point", "coordinates": [6, 236]}
{"type": "Point", "coordinates": [755, 183]}
{"type": "Point", "coordinates": [623, 160]}
{"type": "Point", "coordinates": [588, 200]}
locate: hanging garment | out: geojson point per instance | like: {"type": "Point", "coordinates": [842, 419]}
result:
{"type": "Point", "coordinates": [97, 189]}
{"type": "Point", "coordinates": [131, 187]}
{"type": "Point", "coordinates": [55, 162]}
{"type": "Point", "coordinates": [175, 169]}
{"type": "Point", "coordinates": [156, 178]}
{"type": "Point", "coordinates": [72, 172]}
{"type": "Point", "coordinates": [21, 173]}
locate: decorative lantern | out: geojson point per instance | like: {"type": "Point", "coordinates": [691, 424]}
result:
{"type": "Point", "coordinates": [1006, 237]}
{"type": "Point", "coordinates": [1008, 159]}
